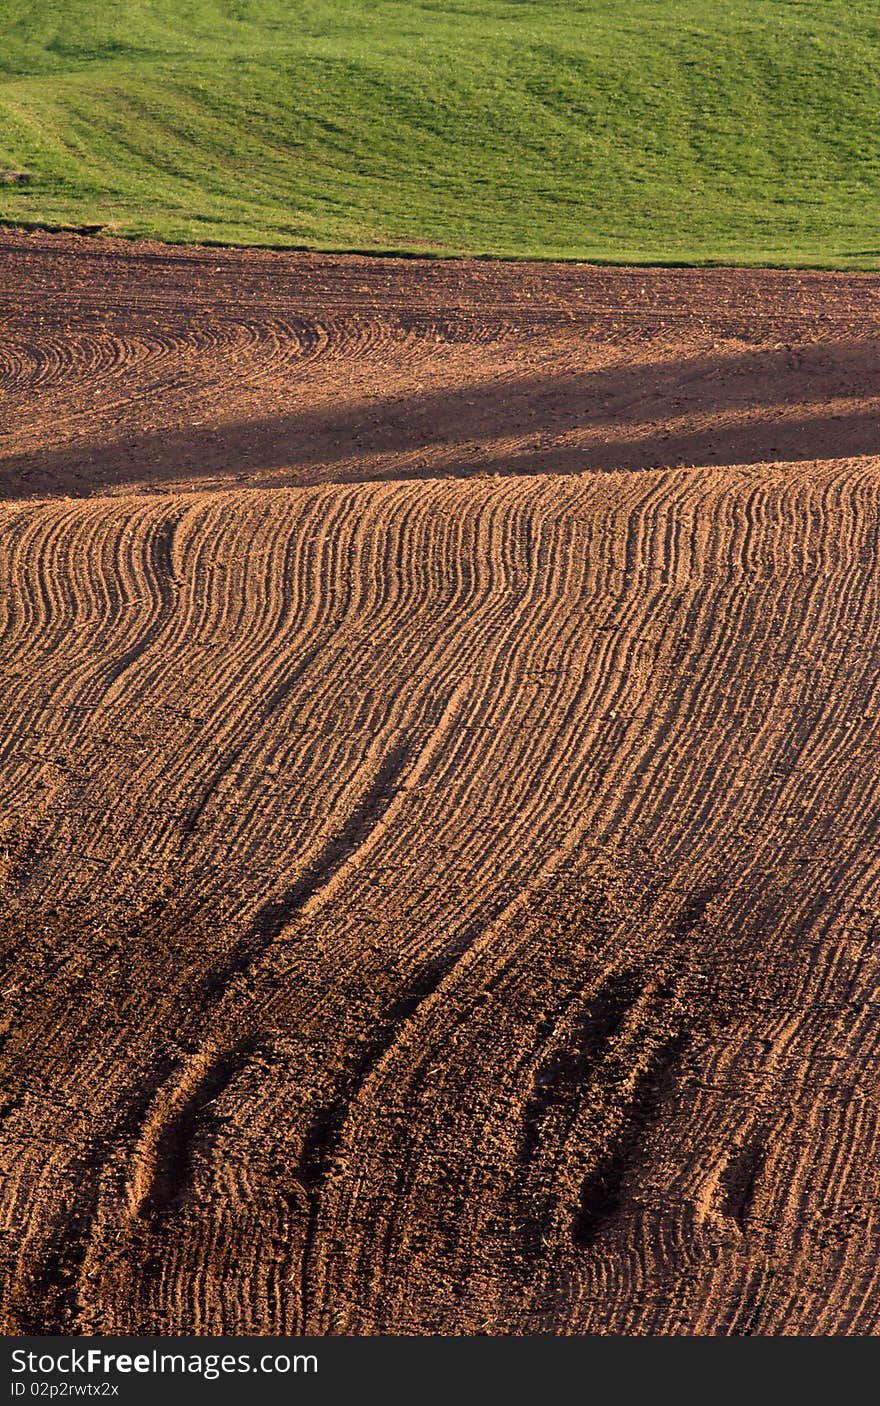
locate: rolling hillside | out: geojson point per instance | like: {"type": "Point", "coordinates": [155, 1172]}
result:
{"type": "Point", "coordinates": [686, 131]}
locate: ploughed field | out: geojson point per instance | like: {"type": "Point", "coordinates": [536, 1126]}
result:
{"type": "Point", "coordinates": [439, 763]}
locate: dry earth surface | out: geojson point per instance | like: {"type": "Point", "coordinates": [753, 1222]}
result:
{"type": "Point", "coordinates": [440, 775]}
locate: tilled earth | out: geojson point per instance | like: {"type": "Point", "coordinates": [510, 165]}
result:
{"type": "Point", "coordinates": [440, 776]}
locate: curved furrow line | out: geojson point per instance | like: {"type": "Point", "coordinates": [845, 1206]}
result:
{"type": "Point", "coordinates": [108, 610]}
{"type": "Point", "coordinates": [822, 726]}
{"type": "Point", "coordinates": [703, 705]}
{"type": "Point", "coordinates": [51, 623]}
{"type": "Point", "coordinates": [95, 352]}
{"type": "Point", "coordinates": [322, 640]}
{"type": "Point", "coordinates": [406, 721]}
{"type": "Point", "coordinates": [160, 663]}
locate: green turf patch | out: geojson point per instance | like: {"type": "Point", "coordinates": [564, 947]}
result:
{"type": "Point", "coordinates": [624, 130]}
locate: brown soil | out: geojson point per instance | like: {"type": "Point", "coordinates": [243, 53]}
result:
{"type": "Point", "coordinates": [439, 757]}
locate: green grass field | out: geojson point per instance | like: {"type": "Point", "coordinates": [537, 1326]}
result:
{"type": "Point", "coordinates": [626, 130]}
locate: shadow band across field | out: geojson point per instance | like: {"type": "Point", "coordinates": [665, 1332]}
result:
{"type": "Point", "coordinates": [758, 406]}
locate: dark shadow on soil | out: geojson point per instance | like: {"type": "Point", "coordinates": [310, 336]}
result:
{"type": "Point", "coordinates": [786, 404]}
